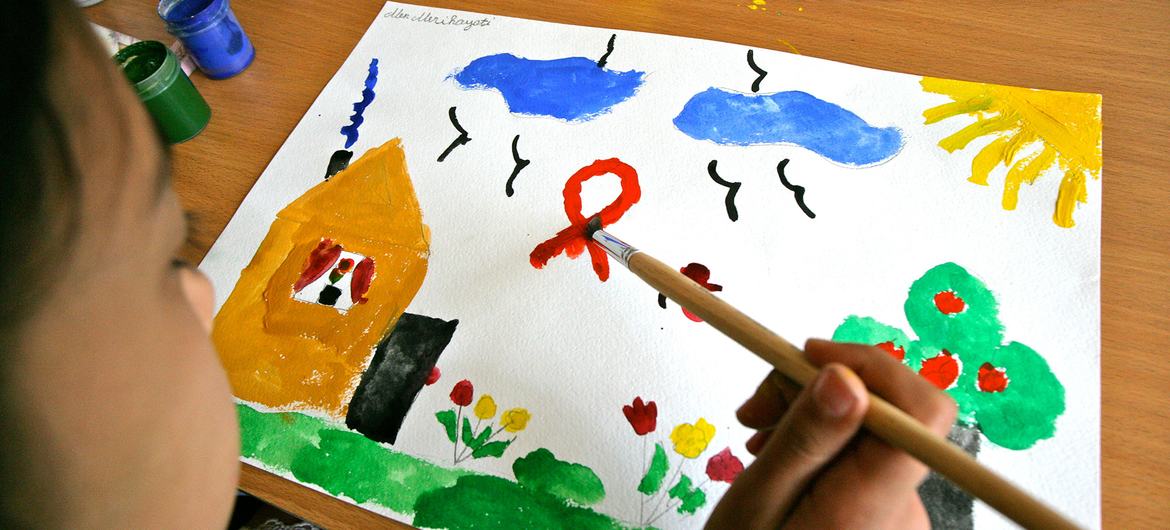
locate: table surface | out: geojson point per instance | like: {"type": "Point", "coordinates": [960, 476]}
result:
{"type": "Point", "coordinates": [1121, 51]}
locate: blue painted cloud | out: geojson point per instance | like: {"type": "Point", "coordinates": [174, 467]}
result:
{"type": "Point", "coordinates": [572, 88]}
{"type": "Point", "coordinates": [794, 117]}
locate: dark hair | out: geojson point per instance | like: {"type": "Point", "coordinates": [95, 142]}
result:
{"type": "Point", "coordinates": [36, 225]}
{"type": "Point", "coordinates": [39, 177]}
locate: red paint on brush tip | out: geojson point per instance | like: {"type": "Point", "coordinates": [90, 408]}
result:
{"type": "Point", "coordinates": [574, 239]}
{"type": "Point", "coordinates": [433, 377]}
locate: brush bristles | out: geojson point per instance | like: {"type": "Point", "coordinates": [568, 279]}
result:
{"type": "Point", "coordinates": [592, 227]}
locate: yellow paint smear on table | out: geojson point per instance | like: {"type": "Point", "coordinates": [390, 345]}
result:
{"type": "Point", "coordinates": [1062, 128]}
{"type": "Point", "coordinates": [290, 354]}
{"type": "Point", "coordinates": [790, 46]}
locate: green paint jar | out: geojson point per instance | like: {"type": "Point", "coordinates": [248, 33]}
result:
{"type": "Point", "coordinates": [179, 110]}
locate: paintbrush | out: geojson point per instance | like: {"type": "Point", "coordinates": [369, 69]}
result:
{"type": "Point", "coordinates": [883, 419]}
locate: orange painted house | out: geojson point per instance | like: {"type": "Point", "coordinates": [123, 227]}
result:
{"type": "Point", "coordinates": [334, 274]}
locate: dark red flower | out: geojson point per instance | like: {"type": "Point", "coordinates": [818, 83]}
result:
{"type": "Point", "coordinates": [643, 417]}
{"type": "Point", "coordinates": [724, 466]}
{"type": "Point", "coordinates": [462, 393]}
{"type": "Point", "coordinates": [359, 283]}
{"type": "Point", "coordinates": [344, 265]}
{"type": "Point", "coordinates": [433, 377]}
{"type": "Point", "coordinates": [700, 274]}
{"type": "Point", "coordinates": [318, 263]}
{"type": "Point", "coordinates": [992, 379]}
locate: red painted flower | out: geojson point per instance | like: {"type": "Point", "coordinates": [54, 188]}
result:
{"type": "Point", "coordinates": [318, 263]}
{"type": "Point", "coordinates": [700, 274]}
{"type": "Point", "coordinates": [643, 417]}
{"type": "Point", "coordinates": [724, 466]}
{"type": "Point", "coordinates": [941, 370]}
{"type": "Point", "coordinates": [896, 352]}
{"type": "Point", "coordinates": [462, 393]}
{"type": "Point", "coordinates": [992, 379]}
{"type": "Point", "coordinates": [359, 283]}
{"type": "Point", "coordinates": [949, 303]}
{"type": "Point", "coordinates": [345, 265]}
{"type": "Point", "coordinates": [433, 377]}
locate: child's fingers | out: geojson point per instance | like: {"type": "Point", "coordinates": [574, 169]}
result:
{"type": "Point", "coordinates": [827, 507]}
{"type": "Point", "coordinates": [767, 405]}
{"type": "Point", "coordinates": [888, 378]}
{"type": "Point", "coordinates": [820, 422]}
{"type": "Point", "coordinates": [882, 475]}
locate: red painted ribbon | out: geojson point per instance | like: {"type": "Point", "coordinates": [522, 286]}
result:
{"type": "Point", "coordinates": [572, 240]}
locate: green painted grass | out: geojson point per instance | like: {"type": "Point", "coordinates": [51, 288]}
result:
{"type": "Point", "coordinates": [340, 461]}
{"type": "Point", "coordinates": [492, 503]}
{"type": "Point", "coordinates": [541, 471]}
{"type": "Point", "coordinates": [551, 493]}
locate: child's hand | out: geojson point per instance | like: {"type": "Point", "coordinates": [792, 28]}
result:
{"type": "Point", "coordinates": [813, 468]}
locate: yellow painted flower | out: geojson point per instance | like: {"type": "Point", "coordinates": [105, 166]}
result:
{"type": "Point", "coordinates": [691, 440]}
{"type": "Point", "coordinates": [485, 408]}
{"type": "Point", "coordinates": [515, 420]}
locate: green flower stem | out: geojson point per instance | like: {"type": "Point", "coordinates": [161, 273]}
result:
{"type": "Point", "coordinates": [642, 498]}
{"type": "Point", "coordinates": [663, 493]}
{"type": "Point", "coordinates": [665, 511]}
{"type": "Point", "coordinates": [489, 438]}
{"type": "Point", "coordinates": [463, 454]}
{"type": "Point", "coordinates": [455, 449]}
{"type": "Point", "coordinates": [671, 506]}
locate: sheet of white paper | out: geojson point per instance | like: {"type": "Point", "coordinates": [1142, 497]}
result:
{"type": "Point", "coordinates": [574, 350]}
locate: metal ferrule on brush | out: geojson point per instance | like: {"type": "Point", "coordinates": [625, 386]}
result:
{"type": "Point", "coordinates": [615, 247]}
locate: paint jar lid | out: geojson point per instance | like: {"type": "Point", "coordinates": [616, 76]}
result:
{"type": "Point", "coordinates": [151, 67]}
{"type": "Point", "coordinates": [189, 17]}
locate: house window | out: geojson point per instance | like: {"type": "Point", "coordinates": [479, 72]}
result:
{"type": "Point", "coordinates": [334, 277]}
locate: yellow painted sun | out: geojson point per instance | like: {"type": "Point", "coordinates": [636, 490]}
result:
{"type": "Point", "coordinates": [1060, 129]}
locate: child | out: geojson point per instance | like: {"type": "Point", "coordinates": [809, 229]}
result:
{"type": "Point", "coordinates": [116, 411]}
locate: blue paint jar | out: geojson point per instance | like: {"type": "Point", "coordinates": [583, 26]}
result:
{"type": "Point", "coordinates": [210, 31]}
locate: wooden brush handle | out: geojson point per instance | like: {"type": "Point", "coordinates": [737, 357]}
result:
{"type": "Point", "coordinates": [882, 419]}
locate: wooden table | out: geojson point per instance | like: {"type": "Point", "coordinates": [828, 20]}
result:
{"type": "Point", "coordinates": [1121, 51]}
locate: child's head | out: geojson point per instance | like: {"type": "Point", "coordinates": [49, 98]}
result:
{"type": "Point", "coordinates": [115, 409]}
